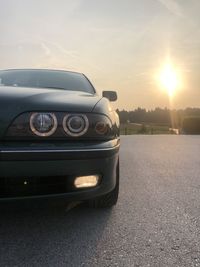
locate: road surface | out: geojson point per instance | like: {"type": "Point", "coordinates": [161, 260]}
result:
{"type": "Point", "coordinates": [156, 221]}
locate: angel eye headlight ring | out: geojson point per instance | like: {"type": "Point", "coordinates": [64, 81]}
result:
{"type": "Point", "coordinates": [43, 124]}
{"type": "Point", "coordinates": [75, 125]}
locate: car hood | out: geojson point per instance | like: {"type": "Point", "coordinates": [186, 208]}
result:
{"type": "Point", "coordinates": [14, 101]}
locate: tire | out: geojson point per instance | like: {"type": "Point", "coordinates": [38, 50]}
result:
{"type": "Point", "coordinates": [108, 200]}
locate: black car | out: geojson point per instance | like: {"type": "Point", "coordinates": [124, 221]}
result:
{"type": "Point", "coordinates": [58, 138]}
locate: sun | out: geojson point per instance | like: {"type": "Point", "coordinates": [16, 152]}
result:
{"type": "Point", "coordinates": [169, 79]}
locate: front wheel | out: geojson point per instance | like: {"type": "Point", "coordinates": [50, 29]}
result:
{"type": "Point", "coordinates": [108, 200]}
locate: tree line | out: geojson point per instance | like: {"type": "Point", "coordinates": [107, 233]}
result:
{"type": "Point", "coordinates": [172, 118]}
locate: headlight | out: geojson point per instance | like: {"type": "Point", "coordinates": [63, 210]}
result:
{"type": "Point", "coordinates": [76, 124]}
{"type": "Point", "coordinates": [62, 126]}
{"type": "Point", "coordinates": [43, 124]}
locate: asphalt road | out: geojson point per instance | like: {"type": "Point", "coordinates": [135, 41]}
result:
{"type": "Point", "coordinates": [156, 221]}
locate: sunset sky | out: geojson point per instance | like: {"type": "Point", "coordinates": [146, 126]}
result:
{"type": "Point", "coordinates": [120, 45]}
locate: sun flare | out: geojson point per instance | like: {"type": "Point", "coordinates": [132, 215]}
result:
{"type": "Point", "coordinates": [169, 79]}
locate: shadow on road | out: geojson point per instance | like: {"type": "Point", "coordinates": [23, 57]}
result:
{"type": "Point", "coordinates": [40, 233]}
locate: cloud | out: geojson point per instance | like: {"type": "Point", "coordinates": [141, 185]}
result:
{"type": "Point", "coordinates": [173, 7]}
{"type": "Point", "coordinates": [66, 52]}
{"type": "Point", "coordinates": [46, 49]}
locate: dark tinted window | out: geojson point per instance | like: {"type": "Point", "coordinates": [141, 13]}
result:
{"type": "Point", "coordinates": [46, 79]}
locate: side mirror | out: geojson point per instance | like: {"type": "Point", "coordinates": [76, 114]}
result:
{"type": "Point", "coordinates": [111, 95]}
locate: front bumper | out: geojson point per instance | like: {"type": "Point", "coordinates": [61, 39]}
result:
{"type": "Point", "coordinates": [25, 169]}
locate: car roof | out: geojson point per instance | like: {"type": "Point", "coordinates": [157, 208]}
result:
{"type": "Point", "coordinates": [38, 69]}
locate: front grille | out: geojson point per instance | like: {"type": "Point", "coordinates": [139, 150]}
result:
{"type": "Point", "coordinates": [33, 186]}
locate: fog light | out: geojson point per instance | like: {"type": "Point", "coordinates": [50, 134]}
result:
{"type": "Point", "coordinates": [86, 181]}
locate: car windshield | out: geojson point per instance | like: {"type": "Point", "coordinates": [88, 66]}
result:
{"type": "Point", "coordinates": [46, 79]}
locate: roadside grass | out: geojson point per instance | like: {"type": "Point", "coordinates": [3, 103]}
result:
{"type": "Point", "coordinates": [150, 128]}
